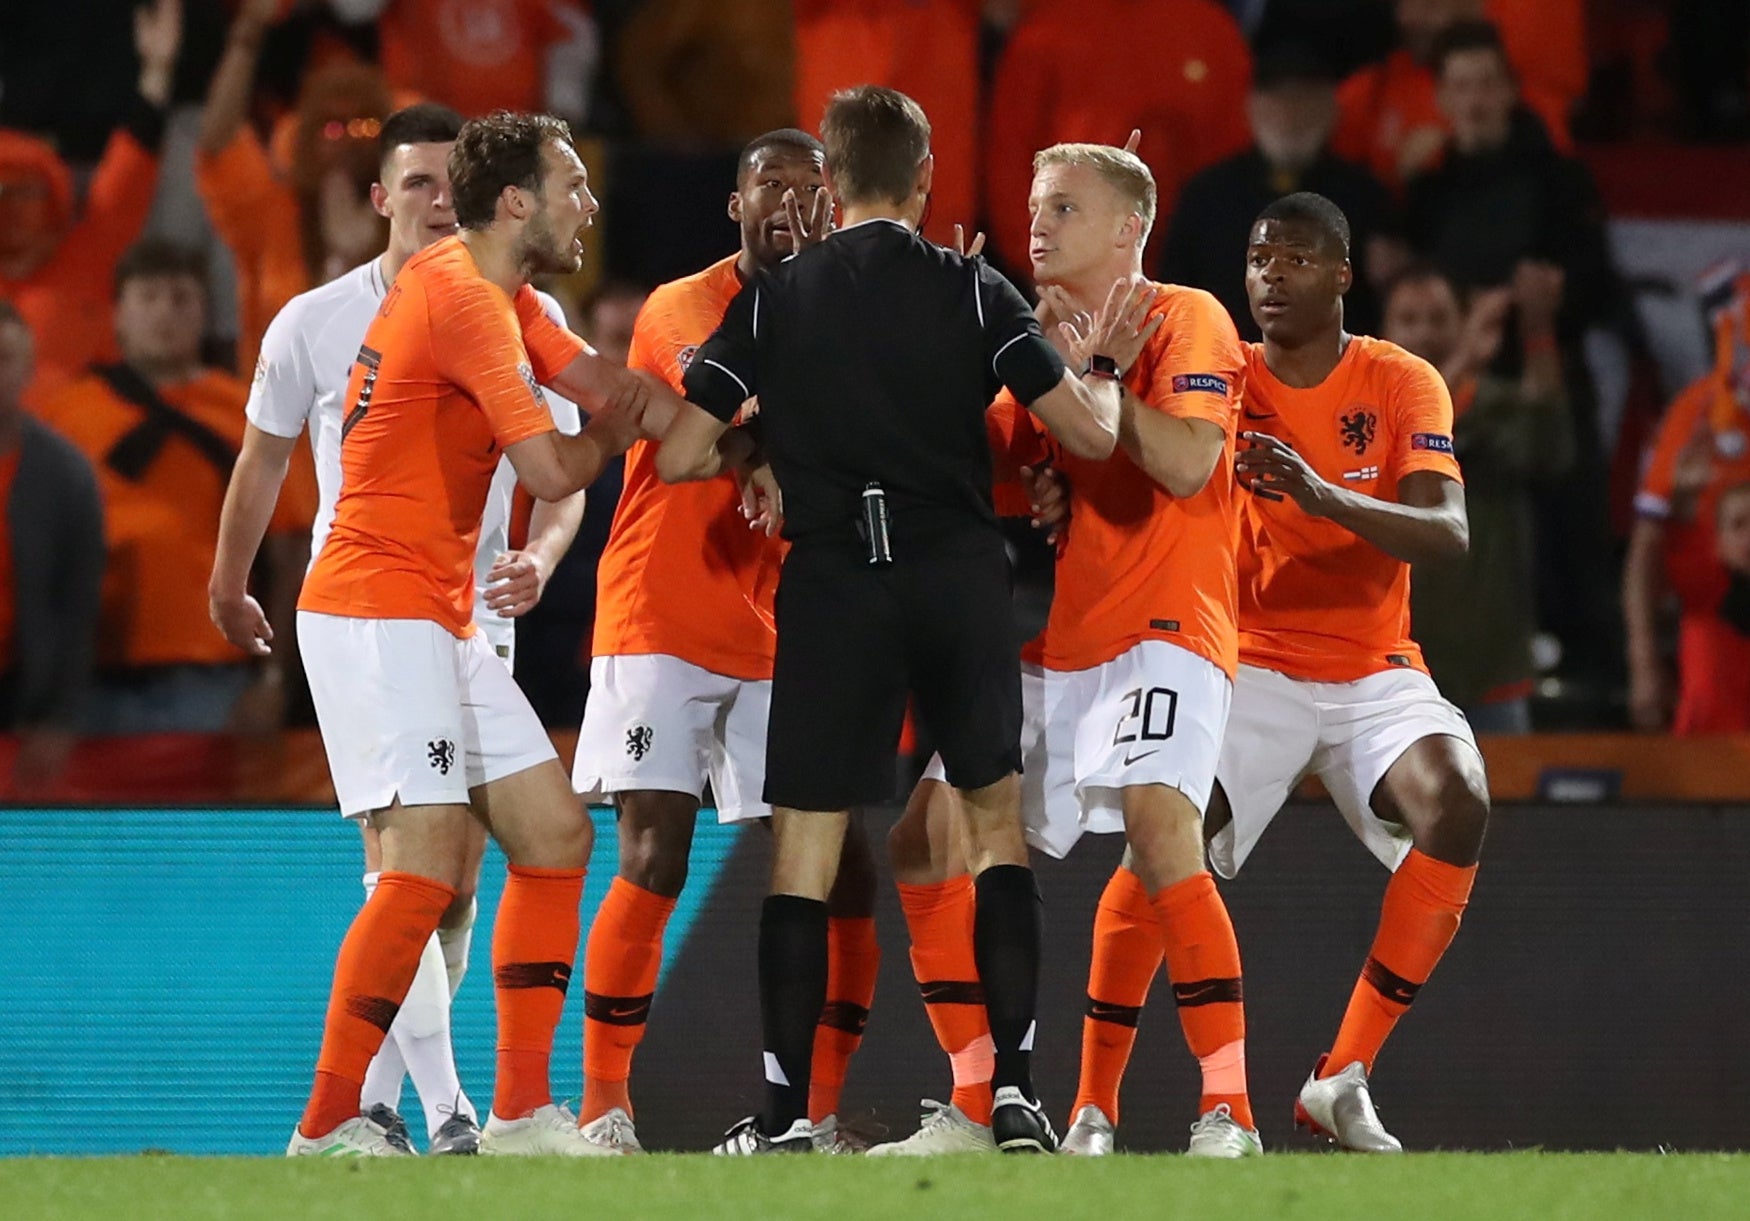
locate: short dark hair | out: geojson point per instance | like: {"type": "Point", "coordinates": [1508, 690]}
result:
{"type": "Point", "coordinates": [502, 149]}
{"type": "Point", "coordinates": [421, 123]}
{"type": "Point", "coordinates": [875, 139]}
{"type": "Point", "coordinates": [151, 257]}
{"type": "Point", "coordinates": [1313, 209]}
{"type": "Point", "coordinates": [1471, 34]}
{"type": "Point", "coordinates": [1420, 271]}
{"type": "Point", "coordinates": [793, 138]}
{"type": "Point", "coordinates": [1291, 63]}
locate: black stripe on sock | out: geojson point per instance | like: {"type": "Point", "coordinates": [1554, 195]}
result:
{"type": "Point", "coordinates": [379, 1011]}
{"type": "Point", "coordinates": [1117, 1015]}
{"type": "Point", "coordinates": [952, 991]}
{"type": "Point", "coordinates": [846, 1016]}
{"type": "Point", "coordinates": [1209, 992]}
{"type": "Point", "coordinates": [617, 1010]}
{"type": "Point", "coordinates": [533, 975]}
{"type": "Point", "coordinates": [1389, 984]}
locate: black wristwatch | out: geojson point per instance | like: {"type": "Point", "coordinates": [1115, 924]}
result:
{"type": "Point", "coordinates": [1103, 366]}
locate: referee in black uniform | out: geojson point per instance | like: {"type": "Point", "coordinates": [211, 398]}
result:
{"type": "Point", "coordinates": [874, 355]}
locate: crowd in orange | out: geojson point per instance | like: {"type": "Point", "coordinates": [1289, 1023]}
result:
{"type": "Point", "coordinates": [125, 346]}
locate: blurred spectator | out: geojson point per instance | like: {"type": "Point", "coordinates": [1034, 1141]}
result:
{"type": "Point", "coordinates": [927, 49]}
{"type": "Point", "coordinates": [477, 56]}
{"type": "Point", "coordinates": [56, 261]}
{"type": "Point", "coordinates": [51, 574]}
{"type": "Point", "coordinates": [1391, 121]}
{"type": "Point", "coordinates": [1702, 448]}
{"type": "Point", "coordinates": [1503, 195]}
{"type": "Point", "coordinates": [698, 75]}
{"type": "Point", "coordinates": [1713, 634]}
{"type": "Point", "coordinates": [1475, 616]}
{"type": "Point", "coordinates": [552, 640]}
{"type": "Point", "coordinates": [1710, 47]}
{"type": "Point", "coordinates": [163, 432]}
{"type": "Point", "coordinates": [289, 234]}
{"type": "Point", "coordinates": [1096, 69]}
{"type": "Point", "coordinates": [1292, 109]}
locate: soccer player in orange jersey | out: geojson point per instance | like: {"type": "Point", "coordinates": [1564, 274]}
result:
{"type": "Point", "coordinates": [681, 682]}
{"type": "Point", "coordinates": [424, 727]}
{"type": "Point", "coordinates": [1352, 479]}
{"type": "Point", "coordinates": [1126, 712]}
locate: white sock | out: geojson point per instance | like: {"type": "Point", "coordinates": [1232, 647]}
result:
{"type": "Point", "coordinates": [383, 1079]}
{"type": "Point", "coordinates": [422, 1033]}
{"type": "Point", "coordinates": [455, 943]}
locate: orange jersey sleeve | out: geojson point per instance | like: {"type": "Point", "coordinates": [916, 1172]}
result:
{"type": "Point", "coordinates": [441, 386]}
{"type": "Point", "coordinates": [1317, 602]}
{"type": "Point", "coordinates": [682, 575]}
{"type": "Point", "coordinates": [550, 346]}
{"type": "Point", "coordinates": [1139, 563]}
{"type": "Point", "coordinates": [1682, 418]}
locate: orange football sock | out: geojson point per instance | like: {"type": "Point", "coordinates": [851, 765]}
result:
{"type": "Point", "coordinates": [1424, 902]}
{"type": "Point", "coordinates": [1203, 960]}
{"type": "Point", "coordinates": [853, 959]}
{"type": "Point", "coordinates": [939, 919]}
{"type": "Point", "coordinates": [378, 960]}
{"type": "Point", "coordinates": [620, 967]}
{"type": "Point", "coordinates": [534, 944]}
{"type": "Point", "coordinates": [1127, 953]}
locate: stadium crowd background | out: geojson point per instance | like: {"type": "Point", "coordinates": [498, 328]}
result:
{"type": "Point", "coordinates": [171, 176]}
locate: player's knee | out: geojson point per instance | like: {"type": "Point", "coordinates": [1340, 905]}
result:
{"type": "Point", "coordinates": [456, 914]}
{"type": "Point", "coordinates": [1459, 806]}
{"type": "Point", "coordinates": [654, 863]}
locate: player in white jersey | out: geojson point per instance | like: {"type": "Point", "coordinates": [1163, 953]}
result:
{"type": "Point", "coordinates": [300, 381]}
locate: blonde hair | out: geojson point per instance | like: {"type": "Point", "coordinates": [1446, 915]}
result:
{"type": "Point", "coordinates": [1123, 170]}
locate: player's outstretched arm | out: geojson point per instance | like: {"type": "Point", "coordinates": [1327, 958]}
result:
{"type": "Point", "coordinates": [1179, 454]}
{"type": "Point", "coordinates": [1426, 522]}
{"type": "Point", "coordinates": [249, 502]}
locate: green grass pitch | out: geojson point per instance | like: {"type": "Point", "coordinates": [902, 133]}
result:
{"type": "Point", "coordinates": [1416, 1187]}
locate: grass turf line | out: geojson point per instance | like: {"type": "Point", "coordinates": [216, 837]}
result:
{"type": "Point", "coordinates": [1298, 1187]}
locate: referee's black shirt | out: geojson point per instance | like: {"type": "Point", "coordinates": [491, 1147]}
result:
{"type": "Point", "coordinates": [874, 356]}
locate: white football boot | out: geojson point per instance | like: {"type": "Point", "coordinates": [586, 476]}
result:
{"type": "Point", "coordinates": [1340, 1108]}
{"type": "Point", "coordinates": [551, 1131]}
{"type": "Point", "coordinates": [1090, 1134]}
{"type": "Point", "coordinates": [1218, 1134]}
{"type": "Point", "coordinates": [944, 1128]}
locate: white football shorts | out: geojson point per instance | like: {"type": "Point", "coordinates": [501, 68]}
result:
{"type": "Point", "coordinates": [1152, 715]}
{"type": "Point", "coordinates": [655, 722]}
{"type": "Point", "coordinates": [1348, 734]}
{"type": "Point", "coordinates": [408, 710]}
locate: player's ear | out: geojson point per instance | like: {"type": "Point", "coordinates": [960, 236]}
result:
{"type": "Point", "coordinates": [1345, 276]}
{"type": "Point", "coordinates": [926, 175]}
{"type": "Point", "coordinates": [735, 206]}
{"type": "Point", "coordinates": [380, 199]}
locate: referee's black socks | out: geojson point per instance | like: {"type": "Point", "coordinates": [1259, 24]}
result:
{"type": "Point", "coordinates": [1006, 937]}
{"type": "Point", "coordinates": [792, 994]}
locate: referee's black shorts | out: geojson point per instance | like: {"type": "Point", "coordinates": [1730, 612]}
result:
{"type": "Point", "coordinates": [854, 640]}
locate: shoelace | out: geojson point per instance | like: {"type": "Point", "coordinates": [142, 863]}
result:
{"type": "Point", "coordinates": [935, 1115]}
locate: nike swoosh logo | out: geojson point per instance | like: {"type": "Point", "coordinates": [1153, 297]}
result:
{"type": "Point", "coordinates": [1252, 415]}
{"type": "Point", "coordinates": [1129, 759]}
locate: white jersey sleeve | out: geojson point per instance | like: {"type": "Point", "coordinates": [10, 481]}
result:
{"type": "Point", "coordinates": [500, 632]}
{"type": "Point", "coordinates": [283, 391]}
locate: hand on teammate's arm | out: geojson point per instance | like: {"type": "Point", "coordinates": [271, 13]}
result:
{"type": "Point", "coordinates": [1426, 522]}
{"type": "Point", "coordinates": [1048, 496]}
{"type": "Point", "coordinates": [249, 503]}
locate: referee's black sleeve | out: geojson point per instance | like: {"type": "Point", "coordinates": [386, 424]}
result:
{"type": "Point", "coordinates": [1020, 358]}
{"type": "Point", "coordinates": [721, 376]}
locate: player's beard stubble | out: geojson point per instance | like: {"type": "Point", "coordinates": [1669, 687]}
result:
{"type": "Point", "coordinates": [543, 254]}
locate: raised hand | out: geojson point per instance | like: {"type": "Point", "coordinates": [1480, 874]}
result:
{"type": "Point", "coordinates": [1123, 327]}
{"type": "Point", "coordinates": [158, 41]}
{"type": "Point", "coordinates": [1271, 469]}
{"type": "Point", "coordinates": [960, 246]}
{"type": "Point", "coordinates": [812, 230]}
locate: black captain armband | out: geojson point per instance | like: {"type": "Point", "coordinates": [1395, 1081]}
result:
{"type": "Point", "coordinates": [1103, 366]}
